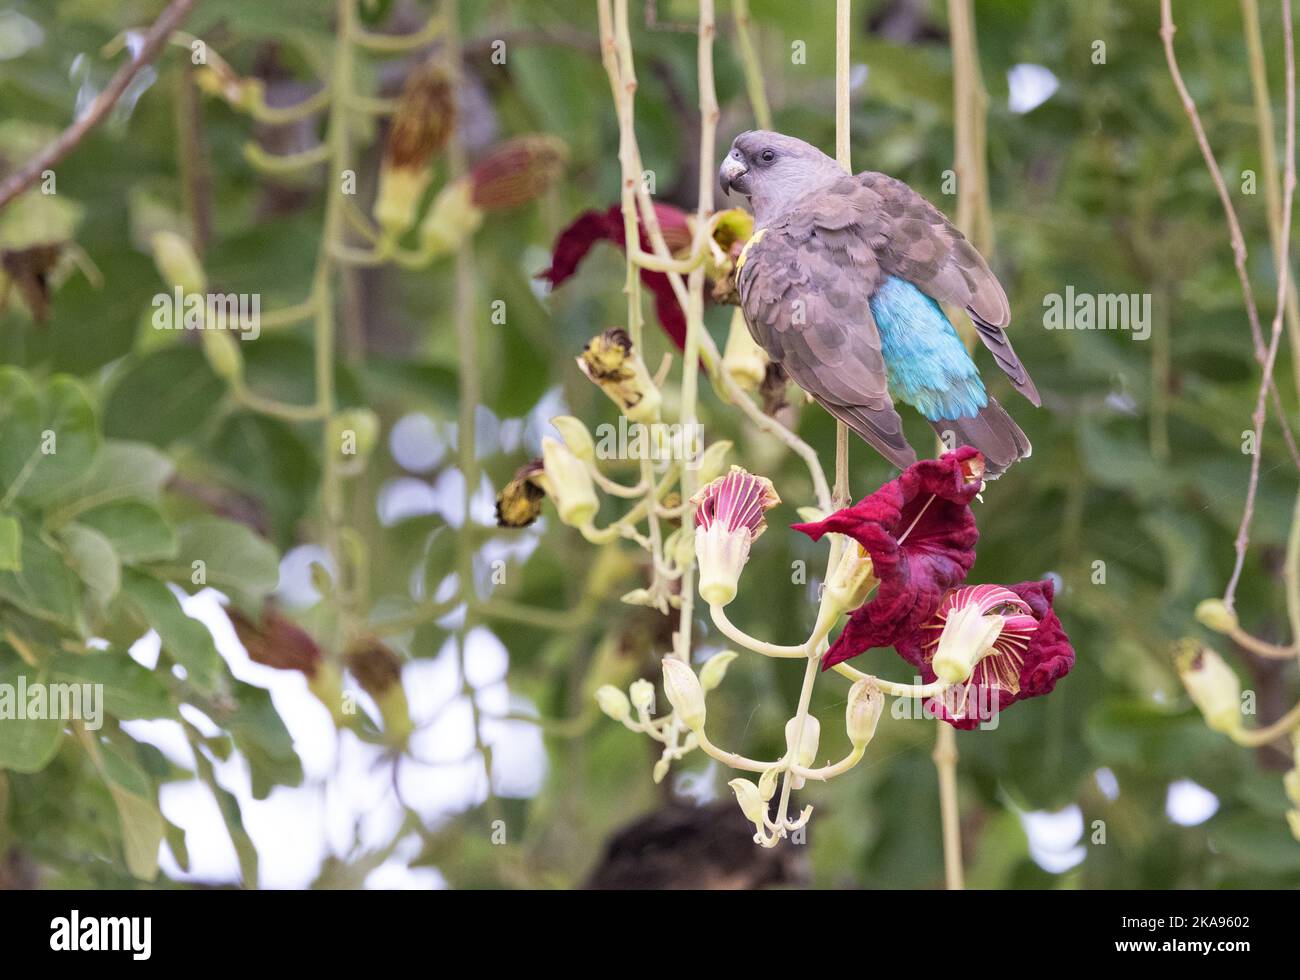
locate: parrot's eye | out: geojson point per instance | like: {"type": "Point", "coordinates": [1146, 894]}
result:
{"type": "Point", "coordinates": [768, 156]}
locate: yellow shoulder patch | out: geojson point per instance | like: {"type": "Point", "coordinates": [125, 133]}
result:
{"type": "Point", "coordinates": [744, 252]}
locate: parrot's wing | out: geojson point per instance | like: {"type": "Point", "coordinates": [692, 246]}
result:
{"type": "Point", "coordinates": [805, 289]}
{"type": "Point", "coordinates": [922, 246]}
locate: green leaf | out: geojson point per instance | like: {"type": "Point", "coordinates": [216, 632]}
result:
{"type": "Point", "coordinates": [235, 558]}
{"type": "Point", "coordinates": [261, 736]}
{"type": "Point", "coordinates": [176, 843]}
{"type": "Point", "coordinates": [1257, 841]}
{"type": "Point", "coordinates": [164, 396]}
{"type": "Point", "coordinates": [94, 560]}
{"type": "Point", "coordinates": [45, 586]}
{"type": "Point", "coordinates": [137, 811]}
{"type": "Point", "coordinates": [120, 471]}
{"type": "Point", "coordinates": [130, 691]}
{"type": "Point", "coordinates": [137, 531]}
{"type": "Point", "coordinates": [28, 744]}
{"type": "Point", "coordinates": [11, 544]}
{"type": "Point", "coordinates": [186, 640]}
{"type": "Point", "coordinates": [47, 437]}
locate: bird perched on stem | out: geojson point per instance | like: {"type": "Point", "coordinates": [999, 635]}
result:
{"type": "Point", "coordinates": [841, 285]}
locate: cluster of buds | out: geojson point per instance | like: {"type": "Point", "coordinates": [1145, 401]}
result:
{"type": "Point", "coordinates": [422, 124]}
{"type": "Point", "coordinates": [728, 517]}
{"type": "Point", "coordinates": [1212, 685]}
{"type": "Point", "coordinates": [611, 361]}
{"type": "Point", "coordinates": [685, 692]}
{"type": "Point", "coordinates": [802, 736]}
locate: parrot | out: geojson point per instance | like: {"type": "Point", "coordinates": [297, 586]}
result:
{"type": "Point", "coordinates": [841, 283]}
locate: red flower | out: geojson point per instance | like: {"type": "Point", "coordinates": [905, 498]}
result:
{"type": "Point", "coordinates": [595, 226]}
{"type": "Point", "coordinates": [920, 534]}
{"type": "Point", "coordinates": [1031, 651]}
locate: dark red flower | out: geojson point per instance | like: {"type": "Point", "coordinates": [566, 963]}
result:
{"type": "Point", "coordinates": [591, 227]}
{"type": "Point", "coordinates": [920, 534]}
{"type": "Point", "coordinates": [1029, 655]}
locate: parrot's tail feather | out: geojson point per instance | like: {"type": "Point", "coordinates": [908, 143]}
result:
{"type": "Point", "coordinates": [993, 432]}
{"type": "Point", "coordinates": [995, 339]}
{"type": "Point", "coordinates": [881, 430]}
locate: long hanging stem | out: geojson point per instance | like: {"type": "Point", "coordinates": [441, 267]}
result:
{"type": "Point", "coordinates": [749, 61]}
{"type": "Point", "coordinates": [322, 299]}
{"type": "Point", "coordinates": [1270, 176]}
{"type": "Point", "coordinates": [843, 27]}
{"type": "Point", "coordinates": [695, 308]}
{"type": "Point", "coordinates": [970, 114]}
{"type": "Point", "coordinates": [470, 396]}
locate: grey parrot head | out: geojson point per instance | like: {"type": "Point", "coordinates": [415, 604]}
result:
{"type": "Point", "coordinates": [772, 170]}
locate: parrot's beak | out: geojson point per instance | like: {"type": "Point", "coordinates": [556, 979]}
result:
{"type": "Point", "coordinates": [732, 176]}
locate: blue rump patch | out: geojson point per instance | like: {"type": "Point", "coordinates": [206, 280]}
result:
{"type": "Point", "coordinates": [927, 364]}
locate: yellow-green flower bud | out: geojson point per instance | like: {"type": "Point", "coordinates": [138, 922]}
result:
{"type": "Point", "coordinates": [613, 702]}
{"type": "Point", "coordinates": [576, 437]}
{"type": "Point", "coordinates": [327, 685]}
{"type": "Point", "coordinates": [863, 712]}
{"type": "Point", "coordinates": [805, 753]}
{"type": "Point", "coordinates": [767, 782]}
{"type": "Point", "coordinates": [712, 462]}
{"type": "Point", "coordinates": [715, 669]}
{"type": "Point", "coordinates": [1215, 614]}
{"type": "Point", "coordinates": [569, 484]}
{"type": "Point", "coordinates": [398, 199]}
{"type": "Point", "coordinates": [643, 695]}
{"type": "Point", "coordinates": [853, 578]}
{"type": "Point", "coordinates": [177, 263]}
{"type": "Point", "coordinates": [452, 218]}
{"type": "Point", "coordinates": [680, 547]}
{"type": "Point", "coordinates": [1214, 688]}
{"type": "Point", "coordinates": [1293, 821]}
{"type": "Point", "coordinates": [223, 354]}
{"type": "Point", "coordinates": [684, 692]}
{"type": "Point", "coordinates": [354, 432]}
{"type": "Point", "coordinates": [660, 771]}
{"type": "Point", "coordinates": [751, 802]}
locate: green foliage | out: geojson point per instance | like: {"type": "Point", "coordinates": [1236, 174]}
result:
{"type": "Point", "coordinates": [159, 482]}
